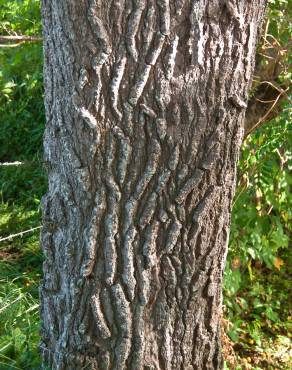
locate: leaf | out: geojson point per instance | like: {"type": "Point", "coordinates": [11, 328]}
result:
{"type": "Point", "coordinates": [19, 339]}
{"type": "Point", "coordinates": [9, 85]}
{"type": "Point", "coordinates": [251, 252]}
{"type": "Point", "coordinates": [278, 262]}
{"type": "Point", "coordinates": [236, 263]}
{"type": "Point", "coordinates": [272, 315]}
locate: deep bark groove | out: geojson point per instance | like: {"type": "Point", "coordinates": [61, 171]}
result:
{"type": "Point", "coordinates": [145, 101]}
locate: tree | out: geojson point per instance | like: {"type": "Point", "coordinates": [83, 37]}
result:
{"type": "Point", "coordinates": [145, 102]}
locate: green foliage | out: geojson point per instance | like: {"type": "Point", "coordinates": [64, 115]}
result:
{"type": "Point", "coordinates": [280, 13]}
{"type": "Point", "coordinates": [20, 16]}
{"type": "Point", "coordinates": [262, 206]}
{"type": "Point", "coordinates": [19, 310]}
{"type": "Point", "coordinates": [23, 184]}
{"type": "Point", "coordinates": [20, 266]}
{"type": "Point", "coordinates": [258, 272]}
{"type": "Point", "coordinates": [21, 88]}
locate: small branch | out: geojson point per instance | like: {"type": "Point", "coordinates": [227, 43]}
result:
{"type": "Point", "coordinates": [265, 101]}
{"type": "Point", "coordinates": [17, 163]}
{"type": "Point", "coordinates": [11, 303]}
{"type": "Point", "coordinates": [11, 45]}
{"type": "Point", "coordinates": [18, 40]}
{"type": "Point", "coordinates": [12, 236]}
{"type": "Point", "coordinates": [262, 119]}
{"type": "Point", "coordinates": [276, 87]}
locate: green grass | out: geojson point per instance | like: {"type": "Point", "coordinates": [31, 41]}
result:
{"type": "Point", "coordinates": [19, 316]}
{"type": "Point", "coordinates": [20, 266]}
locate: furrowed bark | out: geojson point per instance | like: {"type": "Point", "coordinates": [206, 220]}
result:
{"type": "Point", "coordinates": [145, 102]}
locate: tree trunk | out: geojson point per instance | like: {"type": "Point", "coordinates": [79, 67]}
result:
{"type": "Point", "coordinates": [145, 101]}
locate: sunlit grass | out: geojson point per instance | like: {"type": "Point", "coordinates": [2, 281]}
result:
{"type": "Point", "coordinates": [19, 317]}
{"type": "Point", "coordinates": [20, 266]}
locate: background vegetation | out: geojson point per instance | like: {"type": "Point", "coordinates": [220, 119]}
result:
{"type": "Point", "coordinates": [258, 312]}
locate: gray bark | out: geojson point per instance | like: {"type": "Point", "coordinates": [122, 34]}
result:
{"type": "Point", "coordinates": [145, 101]}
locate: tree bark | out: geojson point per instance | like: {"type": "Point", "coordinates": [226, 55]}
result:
{"type": "Point", "coordinates": [145, 102]}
